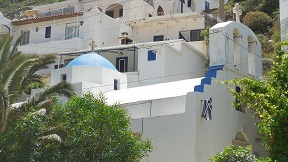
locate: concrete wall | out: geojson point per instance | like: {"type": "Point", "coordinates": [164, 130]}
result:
{"type": "Point", "coordinates": [166, 66]}
{"type": "Point", "coordinates": [173, 136]}
{"type": "Point", "coordinates": [183, 135]}
{"type": "Point", "coordinates": [86, 75]}
{"type": "Point", "coordinates": [242, 50]}
{"type": "Point", "coordinates": [168, 27]}
{"type": "Point", "coordinates": [284, 19]}
{"type": "Point", "coordinates": [213, 136]}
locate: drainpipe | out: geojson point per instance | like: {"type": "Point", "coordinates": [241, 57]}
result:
{"type": "Point", "coordinates": [221, 10]}
{"type": "Point", "coordinates": [134, 63]}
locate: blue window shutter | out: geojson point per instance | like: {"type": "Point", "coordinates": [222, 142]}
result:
{"type": "Point", "coordinates": [207, 5]}
{"type": "Point", "coordinates": [151, 55]}
{"type": "Point", "coordinates": [48, 32]}
{"type": "Point", "coordinates": [115, 84]}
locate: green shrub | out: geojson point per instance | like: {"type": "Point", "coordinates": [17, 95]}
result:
{"type": "Point", "coordinates": [257, 21]}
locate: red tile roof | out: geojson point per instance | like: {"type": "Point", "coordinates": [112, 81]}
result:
{"type": "Point", "coordinates": [45, 18]}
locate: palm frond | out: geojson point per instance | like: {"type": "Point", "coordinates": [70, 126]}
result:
{"type": "Point", "coordinates": [15, 47]}
{"type": "Point", "coordinates": [60, 89]}
{"type": "Point", "coordinates": [53, 137]}
{"type": "Point", "coordinates": [47, 105]}
{"type": "Point", "coordinates": [59, 130]}
{"type": "Point", "coordinates": [4, 107]}
{"type": "Point", "coordinates": [40, 112]}
{"type": "Point", "coordinates": [5, 48]}
{"type": "Point", "coordinates": [42, 63]}
{"type": "Point", "coordinates": [17, 66]}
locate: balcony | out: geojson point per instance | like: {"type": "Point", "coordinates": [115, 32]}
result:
{"type": "Point", "coordinates": [54, 47]}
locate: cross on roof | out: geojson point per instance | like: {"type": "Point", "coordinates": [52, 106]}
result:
{"type": "Point", "coordinates": [93, 45]}
{"type": "Point", "coordinates": [237, 11]}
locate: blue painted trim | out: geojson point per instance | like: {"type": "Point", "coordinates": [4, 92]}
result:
{"type": "Point", "coordinates": [199, 88]}
{"type": "Point", "coordinates": [211, 73]}
{"type": "Point", "coordinates": [206, 81]}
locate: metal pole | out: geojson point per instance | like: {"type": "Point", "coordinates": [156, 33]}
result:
{"type": "Point", "coordinates": [134, 64]}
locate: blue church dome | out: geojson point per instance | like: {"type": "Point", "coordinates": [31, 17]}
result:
{"type": "Point", "coordinates": [92, 59]}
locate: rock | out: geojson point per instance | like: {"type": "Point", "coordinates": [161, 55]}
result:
{"type": "Point", "coordinates": [267, 64]}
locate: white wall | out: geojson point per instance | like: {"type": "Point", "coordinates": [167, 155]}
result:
{"type": "Point", "coordinates": [213, 136]}
{"type": "Point", "coordinates": [173, 136]}
{"type": "Point", "coordinates": [223, 37]}
{"type": "Point", "coordinates": [166, 66]}
{"type": "Point", "coordinates": [87, 75]}
{"type": "Point", "coordinates": [284, 19]}
{"type": "Point", "coordinates": [169, 27]}
{"type": "Point", "coordinates": [185, 135]}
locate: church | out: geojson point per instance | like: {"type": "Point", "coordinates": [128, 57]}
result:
{"type": "Point", "coordinates": [150, 58]}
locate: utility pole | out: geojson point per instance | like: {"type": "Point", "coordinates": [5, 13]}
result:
{"type": "Point", "coordinates": [221, 10]}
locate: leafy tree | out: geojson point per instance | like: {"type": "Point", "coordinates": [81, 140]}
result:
{"type": "Point", "coordinates": [17, 72]}
{"type": "Point", "coordinates": [90, 131]}
{"type": "Point", "coordinates": [99, 132]}
{"type": "Point", "coordinates": [269, 100]}
{"type": "Point", "coordinates": [257, 21]}
{"type": "Point", "coordinates": [240, 154]}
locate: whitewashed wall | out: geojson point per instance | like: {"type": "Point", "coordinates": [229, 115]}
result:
{"type": "Point", "coordinates": [284, 19]}
{"type": "Point", "coordinates": [166, 66]}
{"type": "Point", "coordinates": [168, 27]}
{"type": "Point", "coordinates": [90, 75]}
{"type": "Point", "coordinates": [239, 46]}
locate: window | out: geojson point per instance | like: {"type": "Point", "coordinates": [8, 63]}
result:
{"type": "Point", "coordinates": [63, 77]}
{"type": "Point", "coordinates": [240, 108]}
{"type": "Point", "coordinates": [121, 64]}
{"type": "Point", "coordinates": [25, 37]}
{"type": "Point", "coordinates": [207, 5]}
{"type": "Point", "coordinates": [151, 55]}
{"type": "Point", "coordinates": [48, 32]}
{"type": "Point", "coordinates": [158, 38]}
{"type": "Point", "coordinates": [121, 12]}
{"type": "Point", "coordinates": [195, 35]}
{"type": "Point", "coordinates": [116, 84]}
{"type": "Point", "coordinates": [71, 30]}
{"type": "Point", "coordinates": [110, 13]}
{"type": "Point", "coordinates": [184, 35]}
{"type": "Point", "coordinates": [160, 11]}
{"type": "Point", "coordinates": [189, 3]}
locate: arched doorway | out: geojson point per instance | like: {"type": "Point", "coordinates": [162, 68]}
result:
{"type": "Point", "coordinates": [241, 139]}
{"type": "Point", "coordinates": [160, 11]}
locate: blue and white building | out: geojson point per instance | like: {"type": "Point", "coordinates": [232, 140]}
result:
{"type": "Point", "coordinates": [149, 57]}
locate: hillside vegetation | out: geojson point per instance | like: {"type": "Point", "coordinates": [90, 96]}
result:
{"type": "Point", "coordinates": [262, 16]}
{"type": "Point", "coordinates": [12, 8]}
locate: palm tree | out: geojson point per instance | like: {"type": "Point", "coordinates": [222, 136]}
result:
{"type": "Point", "coordinates": [17, 72]}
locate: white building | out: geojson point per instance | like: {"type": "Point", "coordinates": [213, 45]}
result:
{"type": "Point", "coordinates": [177, 115]}
{"type": "Point", "coordinates": [283, 19]}
{"type": "Point", "coordinates": [72, 25]}
{"type": "Point", "coordinates": [68, 28]}
{"type": "Point", "coordinates": [150, 58]}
